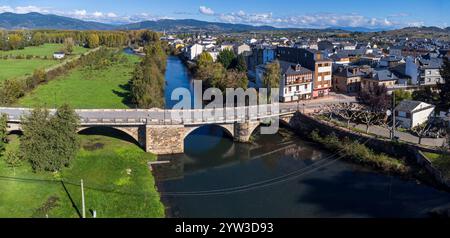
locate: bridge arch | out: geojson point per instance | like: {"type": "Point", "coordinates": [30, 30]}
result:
{"type": "Point", "coordinates": [228, 129]}
{"type": "Point", "coordinates": [123, 133]}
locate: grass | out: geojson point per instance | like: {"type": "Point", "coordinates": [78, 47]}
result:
{"type": "Point", "coordinates": [13, 68]}
{"type": "Point", "coordinates": [42, 50]}
{"type": "Point", "coordinates": [86, 88]}
{"type": "Point", "coordinates": [117, 183]}
{"type": "Point", "coordinates": [441, 162]}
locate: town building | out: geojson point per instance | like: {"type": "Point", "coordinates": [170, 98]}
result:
{"type": "Point", "coordinates": [296, 82]}
{"type": "Point", "coordinates": [411, 113]}
{"type": "Point", "coordinates": [424, 71]}
{"type": "Point", "coordinates": [242, 48]}
{"type": "Point", "coordinates": [314, 61]}
{"type": "Point", "coordinates": [59, 55]}
{"type": "Point", "coordinates": [378, 77]}
{"type": "Point", "coordinates": [347, 80]}
{"type": "Point", "coordinates": [194, 51]}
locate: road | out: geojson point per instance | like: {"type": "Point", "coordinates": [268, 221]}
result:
{"type": "Point", "coordinates": [159, 116]}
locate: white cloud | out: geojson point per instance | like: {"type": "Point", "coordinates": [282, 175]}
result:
{"type": "Point", "coordinates": [97, 14]}
{"type": "Point", "coordinates": [80, 13]}
{"type": "Point", "coordinates": [206, 10]}
{"type": "Point", "coordinates": [317, 20]}
{"type": "Point", "coordinates": [24, 9]}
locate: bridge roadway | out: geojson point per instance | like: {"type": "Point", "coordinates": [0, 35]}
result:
{"type": "Point", "coordinates": [168, 117]}
{"type": "Point", "coordinates": [163, 132]}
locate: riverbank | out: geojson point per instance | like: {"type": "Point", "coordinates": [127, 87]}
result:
{"type": "Point", "coordinates": [116, 177]}
{"type": "Point", "coordinates": [404, 153]}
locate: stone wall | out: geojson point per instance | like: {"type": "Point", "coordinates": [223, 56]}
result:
{"type": "Point", "coordinates": [243, 130]}
{"type": "Point", "coordinates": [163, 139]}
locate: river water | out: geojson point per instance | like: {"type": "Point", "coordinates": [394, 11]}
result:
{"type": "Point", "coordinates": [278, 175]}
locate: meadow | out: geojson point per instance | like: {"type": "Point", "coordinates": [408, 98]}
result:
{"type": "Point", "coordinates": [42, 50]}
{"type": "Point", "coordinates": [87, 88]}
{"type": "Point", "coordinates": [117, 182]}
{"type": "Point", "coordinates": [13, 68]}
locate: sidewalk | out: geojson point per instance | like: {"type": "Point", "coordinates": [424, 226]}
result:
{"type": "Point", "coordinates": [407, 137]}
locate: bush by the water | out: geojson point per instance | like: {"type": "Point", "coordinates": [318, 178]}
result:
{"type": "Point", "coordinates": [358, 152]}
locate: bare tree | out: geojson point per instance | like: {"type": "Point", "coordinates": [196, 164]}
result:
{"type": "Point", "coordinates": [421, 130]}
{"type": "Point", "coordinates": [328, 110]}
{"type": "Point", "coordinates": [348, 112]}
{"type": "Point", "coordinates": [369, 118]}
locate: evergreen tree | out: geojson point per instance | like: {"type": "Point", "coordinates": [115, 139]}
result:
{"type": "Point", "coordinates": [240, 64]}
{"type": "Point", "coordinates": [226, 57]}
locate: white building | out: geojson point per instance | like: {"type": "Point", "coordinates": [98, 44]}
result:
{"type": "Point", "coordinates": [59, 55]}
{"type": "Point", "coordinates": [239, 49]}
{"type": "Point", "coordinates": [413, 113]}
{"type": "Point", "coordinates": [194, 51]}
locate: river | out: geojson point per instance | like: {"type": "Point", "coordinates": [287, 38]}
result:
{"type": "Point", "coordinates": [277, 175]}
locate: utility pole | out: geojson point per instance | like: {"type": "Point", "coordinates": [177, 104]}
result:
{"type": "Point", "coordinates": [393, 117]}
{"type": "Point", "coordinates": [82, 200]}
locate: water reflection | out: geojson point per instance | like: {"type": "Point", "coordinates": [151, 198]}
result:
{"type": "Point", "coordinates": [277, 176]}
{"type": "Point", "coordinates": [302, 181]}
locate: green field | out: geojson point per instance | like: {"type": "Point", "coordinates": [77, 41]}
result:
{"type": "Point", "coordinates": [42, 50]}
{"type": "Point", "coordinates": [86, 88]}
{"type": "Point", "coordinates": [117, 183]}
{"type": "Point", "coordinates": [13, 68]}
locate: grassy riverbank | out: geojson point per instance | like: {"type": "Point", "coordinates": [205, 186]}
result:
{"type": "Point", "coordinates": [117, 182]}
{"type": "Point", "coordinates": [359, 153]}
{"type": "Point", "coordinates": [441, 162]}
{"type": "Point", "coordinates": [86, 87]}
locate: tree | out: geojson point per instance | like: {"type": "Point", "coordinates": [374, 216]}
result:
{"type": "Point", "coordinates": [375, 98]}
{"type": "Point", "coordinates": [426, 94]}
{"type": "Point", "coordinates": [239, 63]}
{"type": "Point", "coordinates": [49, 142]}
{"type": "Point", "coordinates": [272, 75]}
{"type": "Point", "coordinates": [93, 41]}
{"type": "Point", "coordinates": [69, 45]}
{"type": "Point", "coordinates": [369, 118]}
{"type": "Point", "coordinates": [226, 57]}
{"type": "Point", "coordinates": [15, 40]}
{"type": "Point", "coordinates": [13, 159]}
{"type": "Point", "coordinates": [37, 38]}
{"type": "Point", "coordinates": [348, 112]}
{"type": "Point", "coordinates": [3, 133]}
{"type": "Point", "coordinates": [401, 95]}
{"type": "Point", "coordinates": [236, 79]}
{"type": "Point", "coordinates": [444, 88]}
{"type": "Point", "coordinates": [204, 59]}
{"type": "Point", "coordinates": [10, 90]}
{"type": "Point", "coordinates": [421, 130]}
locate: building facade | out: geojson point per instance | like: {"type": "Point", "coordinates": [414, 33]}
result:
{"type": "Point", "coordinates": [314, 61]}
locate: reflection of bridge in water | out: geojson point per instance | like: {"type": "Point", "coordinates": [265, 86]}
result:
{"type": "Point", "coordinates": [163, 131]}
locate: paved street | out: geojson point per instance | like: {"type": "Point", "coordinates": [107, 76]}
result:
{"type": "Point", "coordinates": [407, 137]}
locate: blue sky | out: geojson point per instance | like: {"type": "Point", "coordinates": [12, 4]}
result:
{"type": "Point", "coordinates": [285, 13]}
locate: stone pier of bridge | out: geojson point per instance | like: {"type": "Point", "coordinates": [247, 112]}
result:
{"type": "Point", "coordinates": [169, 139]}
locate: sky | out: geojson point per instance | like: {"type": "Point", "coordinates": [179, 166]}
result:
{"type": "Point", "coordinates": [284, 13]}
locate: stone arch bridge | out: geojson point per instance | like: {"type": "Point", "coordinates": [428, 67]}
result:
{"type": "Point", "coordinates": [163, 131]}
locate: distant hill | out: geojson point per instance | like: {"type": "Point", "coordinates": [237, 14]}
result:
{"type": "Point", "coordinates": [193, 25]}
{"type": "Point", "coordinates": [43, 21]}
{"type": "Point", "coordinates": [40, 21]}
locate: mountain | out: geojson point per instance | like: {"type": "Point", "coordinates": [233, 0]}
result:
{"type": "Point", "coordinates": [192, 25]}
{"type": "Point", "coordinates": [35, 20]}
